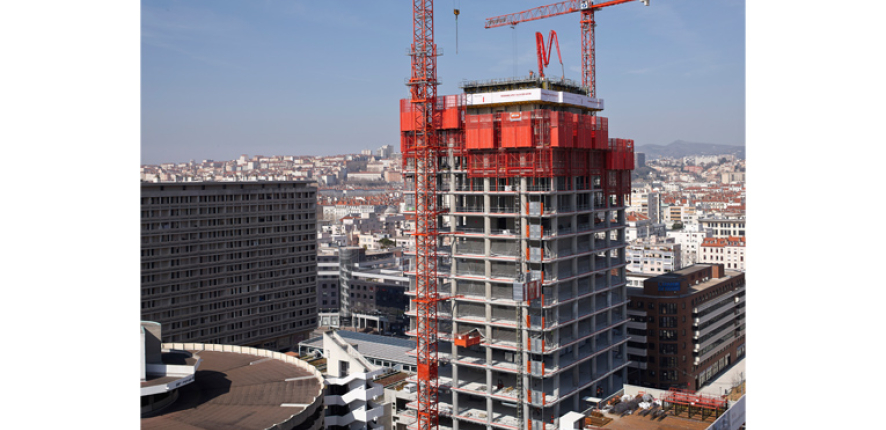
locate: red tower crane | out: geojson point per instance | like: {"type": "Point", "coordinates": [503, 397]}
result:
{"type": "Point", "coordinates": [587, 8]}
{"type": "Point", "coordinates": [423, 88]}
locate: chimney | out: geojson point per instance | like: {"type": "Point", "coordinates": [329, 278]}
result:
{"type": "Point", "coordinates": [718, 270]}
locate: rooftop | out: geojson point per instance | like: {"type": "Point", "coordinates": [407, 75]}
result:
{"type": "Point", "coordinates": [523, 82]}
{"type": "Point", "coordinates": [238, 391]}
{"type": "Point", "coordinates": [374, 346]}
{"type": "Point", "coordinates": [636, 421]}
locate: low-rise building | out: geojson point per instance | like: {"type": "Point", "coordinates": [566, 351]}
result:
{"type": "Point", "coordinates": [725, 225]}
{"type": "Point", "coordinates": [654, 255]}
{"type": "Point", "coordinates": [353, 400]}
{"type": "Point", "coordinates": [690, 242]}
{"type": "Point", "coordinates": [186, 386]}
{"type": "Point", "coordinates": [640, 226]}
{"type": "Point", "coordinates": [686, 326]}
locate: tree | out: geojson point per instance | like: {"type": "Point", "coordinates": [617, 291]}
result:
{"type": "Point", "coordinates": [677, 226]}
{"type": "Point", "coordinates": [385, 243]}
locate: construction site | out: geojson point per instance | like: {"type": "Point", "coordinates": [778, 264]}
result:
{"type": "Point", "coordinates": [517, 280]}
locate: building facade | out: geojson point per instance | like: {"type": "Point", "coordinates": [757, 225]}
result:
{"type": "Point", "coordinates": [353, 400]}
{"type": "Point", "coordinates": [729, 251]}
{"type": "Point", "coordinates": [686, 326]}
{"type": "Point", "coordinates": [364, 289]}
{"type": "Point", "coordinates": [724, 226]}
{"type": "Point", "coordinates": [654, 255]}
{"type": "Point", "coordinates": [230, 262]}
{"type": "Point", "coordinates": [690, 242]}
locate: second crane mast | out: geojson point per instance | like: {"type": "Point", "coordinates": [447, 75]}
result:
{"type": "Point", "coordinates": [587, 8]}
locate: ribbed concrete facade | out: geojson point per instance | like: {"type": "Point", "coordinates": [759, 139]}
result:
{"type": "Point", "coordinates": [230, 262]}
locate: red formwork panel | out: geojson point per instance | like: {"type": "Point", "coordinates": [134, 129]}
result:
{"type": "Point", "coordinates": [562, 130]}
{"type": "Point", "coordinates": [508, 137]}
{"type": "Point", "coordinates": [584, 136]}
{"type": "Point", "coordinates": [451, 118]}
{"type": "Point", "coordinates": [629, 155]}
{"type": "Point", "coordinates": [450, 113]}
{"type": "Point", "coordinates": [479, 132]}
{"type": "Point", "coordinates": [472, 132]}
{"type": "Point", "coordinates": [612, 157]}
{"type": "Point", "coordinates": [516, 130]}
{"type": "Point", "coordinates": [599, 134]}
{"type": "Point", "coordinates": [541, 128]}
{"type": "Point", "coordinates": [490, 134]}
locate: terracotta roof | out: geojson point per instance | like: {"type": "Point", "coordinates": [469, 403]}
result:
{"type": "Point", "coordinates": [724, 242]}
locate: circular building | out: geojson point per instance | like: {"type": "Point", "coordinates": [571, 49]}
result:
{"type": "Point", "coordinates": [191, 386]}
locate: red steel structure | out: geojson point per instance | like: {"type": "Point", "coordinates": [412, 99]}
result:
{"type": "Point", "coordinates": [423, 88]}
{"type": "Point", "coordinates": [587, 8]}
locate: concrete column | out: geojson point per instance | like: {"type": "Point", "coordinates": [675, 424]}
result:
{"type": "Point", "coordinates": [455, 379]}
{"type": "Point", "coordinates": [454, 407]}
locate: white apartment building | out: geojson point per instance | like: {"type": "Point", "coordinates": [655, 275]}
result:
{"type": "Point", "coordinates": [640, 226]}
{"type": "Point", "coordinates": [689, 241]}
{"type": "Point", "coordinates": [654, 255]}
{"type": "Point", "coordinates": [729, 251]}
{"type": "Point", "coordinates": [723, 226]}
{"type": "Point", "coordinates": [352, 400]}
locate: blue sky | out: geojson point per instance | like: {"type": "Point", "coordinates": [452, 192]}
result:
{"type": "Point", "coordinates": [222, 78]}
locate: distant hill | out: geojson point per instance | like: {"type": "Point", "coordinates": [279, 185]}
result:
{"type": "Point", "coordinates": [681, 148]}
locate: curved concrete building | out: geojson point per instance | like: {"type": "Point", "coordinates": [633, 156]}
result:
{"type": "Point", "coordinates": [192, 386]}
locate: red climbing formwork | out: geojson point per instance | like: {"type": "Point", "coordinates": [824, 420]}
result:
{"type": "Point", "coordinates": [451, 113]}
{"type": "Point", "coordinates": [561, 130]}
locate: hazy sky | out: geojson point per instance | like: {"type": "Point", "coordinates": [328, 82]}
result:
{"type": "Point", "coordinates": [223, 78]}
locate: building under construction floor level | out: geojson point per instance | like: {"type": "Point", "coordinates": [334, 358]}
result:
{"type": "Point", "coordinates": [533, 190]}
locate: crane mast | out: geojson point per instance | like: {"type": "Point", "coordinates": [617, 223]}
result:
{"type": "Point", "coordinates": [423, 89]}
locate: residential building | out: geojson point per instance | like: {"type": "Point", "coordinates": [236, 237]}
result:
{"type": "Point", "coordinates": [640, 226]}
{"type": "Point", "coordinates": [230, 263]}
{"type": "Point", "coordinates": [364, 289]}
{"type": "Point", "coordinates": [654, 255]}
{"type": "Point", "coordinates": [353, 400]}
{"type": "Point", "coordinates": [729, 251]}
{"type": "Point", "coordinates": [686, 326]}
{"type": "Point", "coordinates": [723, 226]}
{"type": "Point", "coordinates": [689, 242]}
{"type": "Point", "coordinates": [729, 177]}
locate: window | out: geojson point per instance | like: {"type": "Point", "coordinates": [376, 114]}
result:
{"type": "Point", "coordinates": [668, 309]}
{"type": "Point", "coordinates": [668, 335]}
{"type": "Point", "coordinates": [667, 348]}
{"type": "Point", "coordinates": [667, 322]}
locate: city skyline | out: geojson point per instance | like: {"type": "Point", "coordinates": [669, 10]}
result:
{"type": "Point", "coordinates": [221, 79]}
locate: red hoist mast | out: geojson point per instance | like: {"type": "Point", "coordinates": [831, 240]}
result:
{"type": "Point", "coordinates": [423, 88]}
{"type": "Point", "coordinates": [587, 8]}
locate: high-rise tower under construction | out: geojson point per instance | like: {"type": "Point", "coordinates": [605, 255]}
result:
{"type": "Point", "coordinates": [532, 197]}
